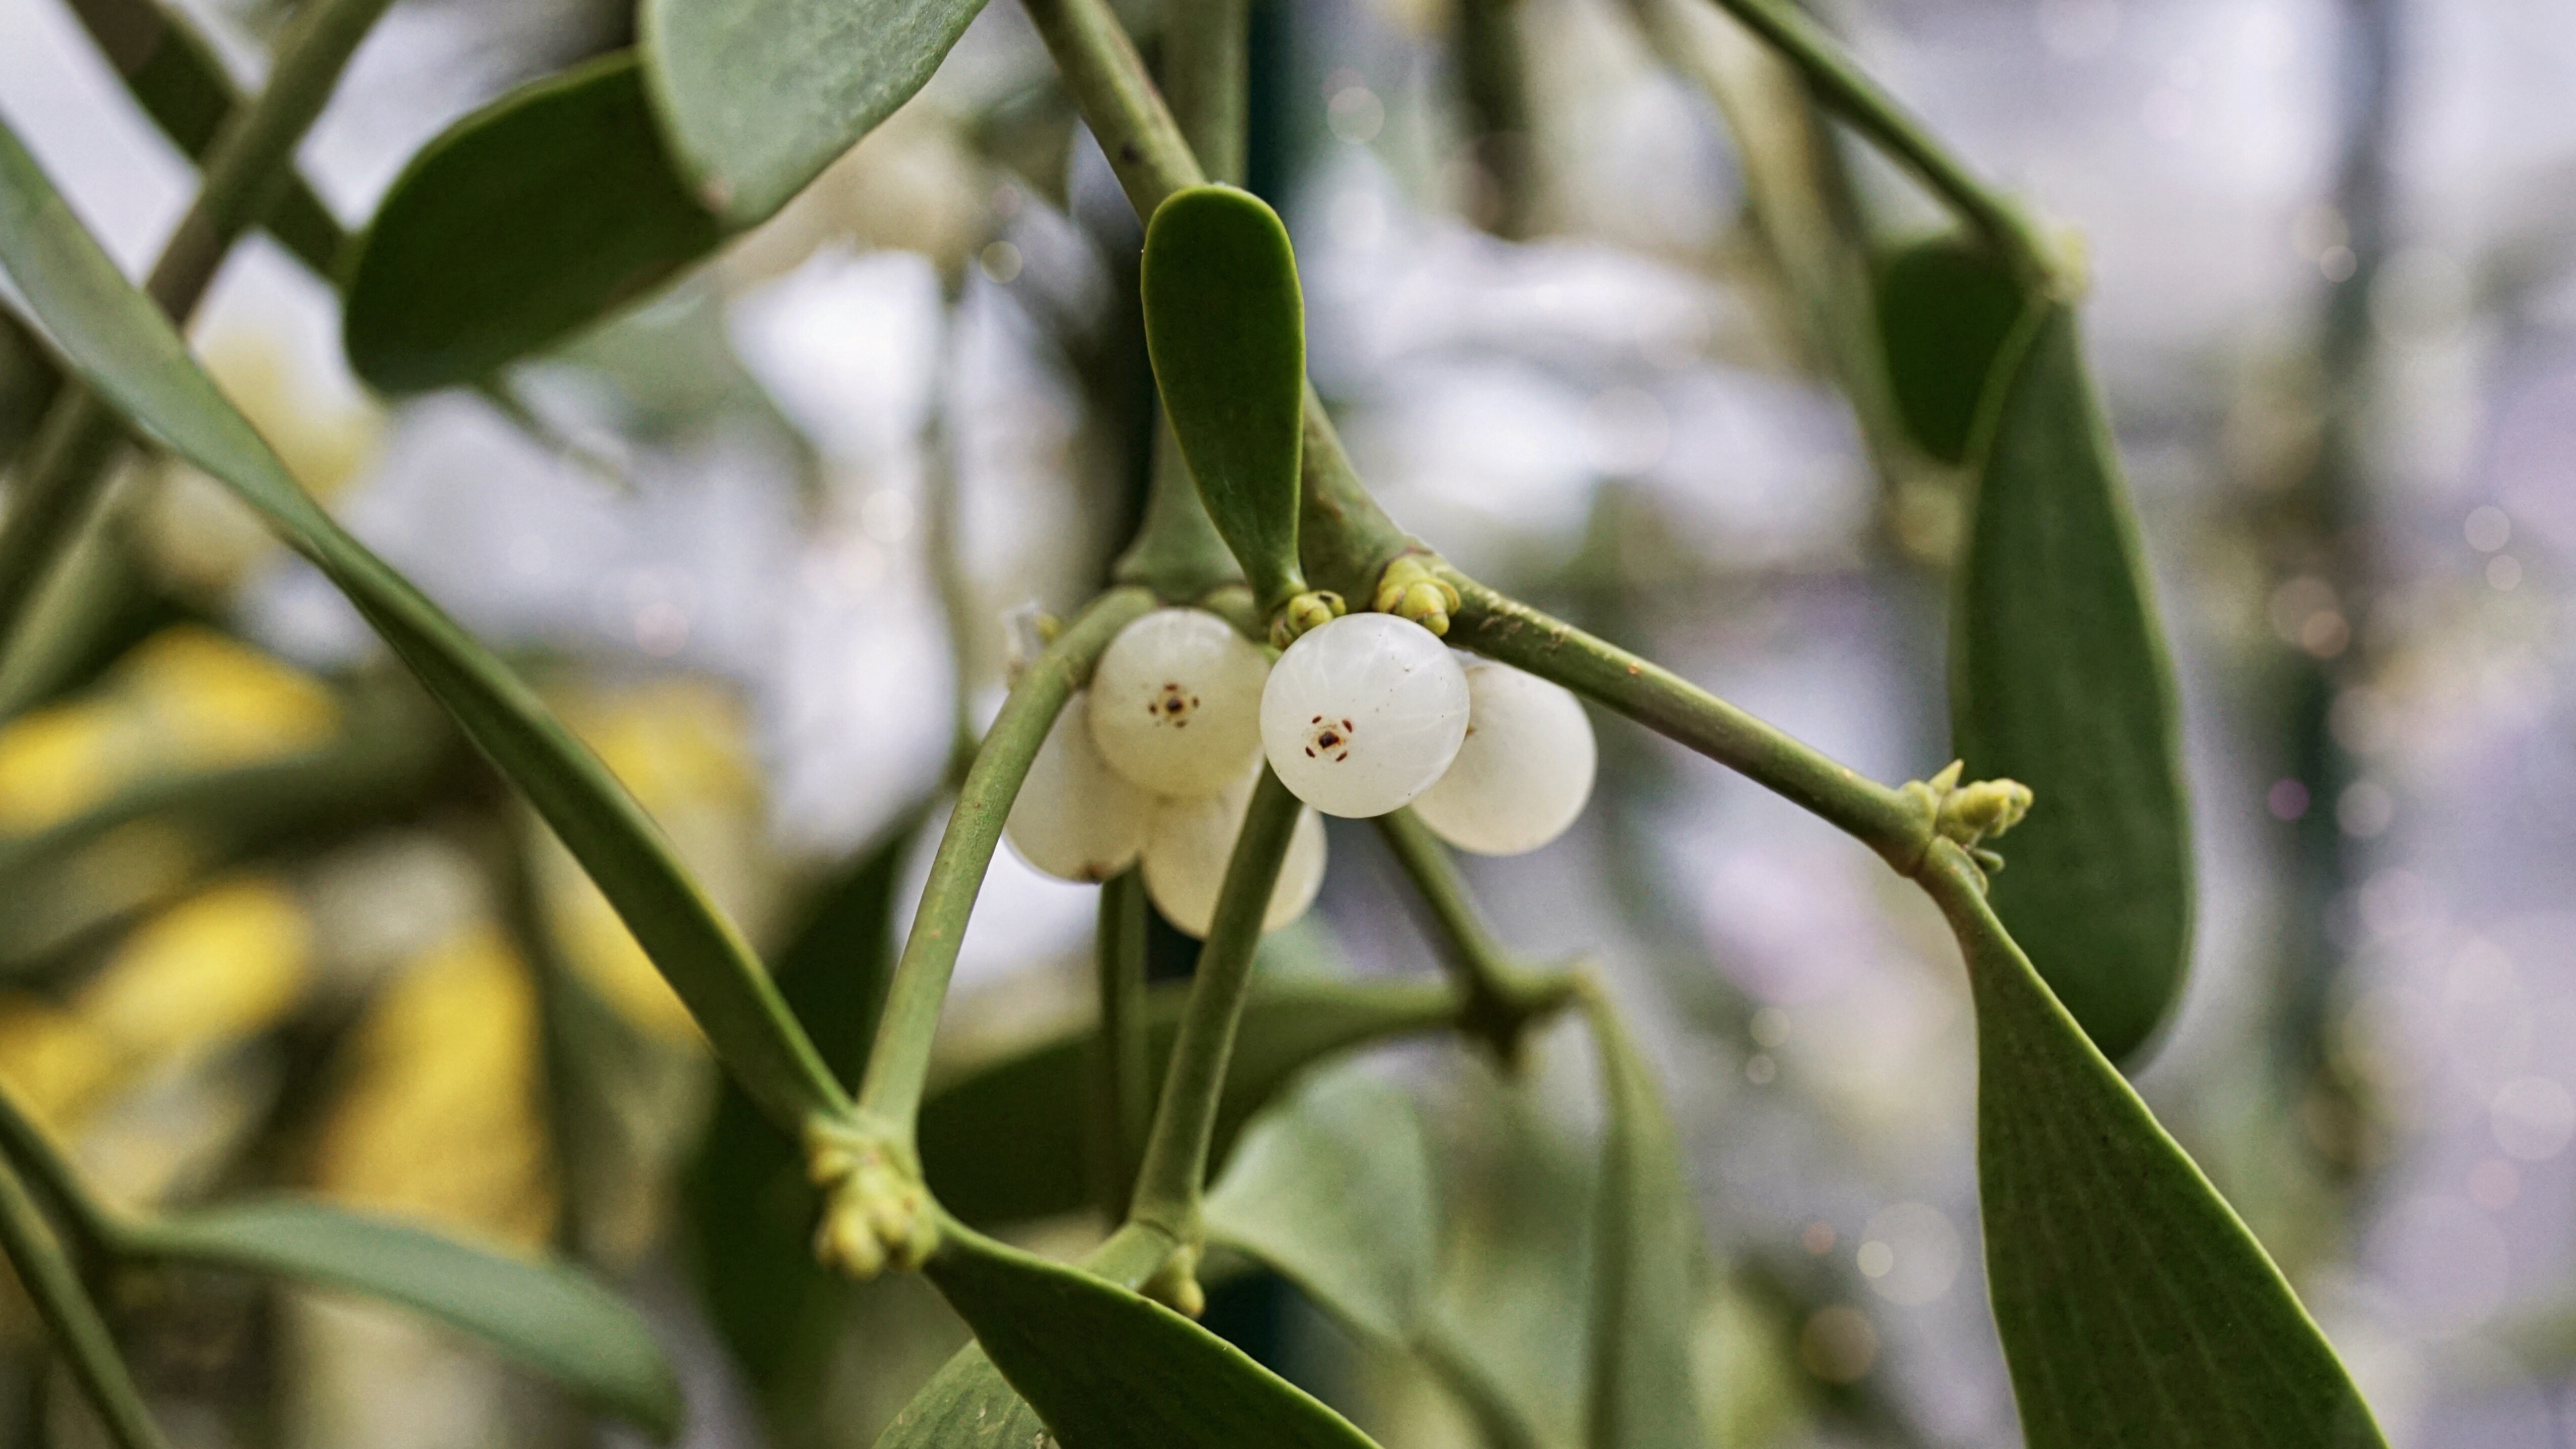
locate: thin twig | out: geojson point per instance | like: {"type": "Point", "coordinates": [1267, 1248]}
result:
{"type": "Point", "coordinates": [890, 1095]}
{"type": "Point", "coordinates": [1125, 1064]}
{"type": "Point", "coordinates": [1845, 89]}
{"type": "Point", "coordinates": [1499, 997]}
{"type": "Point", "coordinates": [250, 166]}
{"type": "Point", "coordinates": [94, 1231]}
{"type": "Point", "coordinates": [1174, 1175]}
{"type": "Point", "coordinates": [1346, 539]}
{"type": "Point", "coordinates": [65, 1305]}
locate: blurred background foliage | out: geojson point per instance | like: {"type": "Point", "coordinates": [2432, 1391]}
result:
{"type": "Point", "coordinates": [1587, 289]}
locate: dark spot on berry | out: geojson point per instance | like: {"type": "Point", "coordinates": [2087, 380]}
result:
{"type": "Point", "coordinates": [1328, 737]}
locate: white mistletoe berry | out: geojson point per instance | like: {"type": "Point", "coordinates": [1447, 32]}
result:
{"type": "Point", "coordinates": [1362, 715]}
{"type": "Point", "coordinates": [1176, 703]}
{"type": "Point", "coordinates": [1524, 771]}
{"type": "Point", "coordinates": [1075, 818]}
{"type": "Point", "coordinates": [1190, 843]}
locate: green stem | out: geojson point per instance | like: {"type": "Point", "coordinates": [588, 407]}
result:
{"type": "Point", "coordinates": [1117, 99]}
{"type": "Point", "coordinates": [175, 75]}
{"type": "Point", "coordinates": [1131, 1255]}
{"type": "Point", "coordinates": [1153, 158]}
{"type": "Point", "coordinates": [568, 1077]}
{"type": "Point", "coordinates": [1345, 539]}
{"type": "Point", "coordinates": [1125, 1066]}
{"type": "Point", "coordinates": [1178, 552]}
{"type": "Point", "coordinates": [1174, 1175]}
{"type": "Point", "coordinates": [890, 1094]}
{"type": "Point", "coordinates": [1498, 998]}
{"type": "Point", "coordinates": [1799, 193]}
{"type": "Point", "coordinates": [1518, 635]}
{"type": "Point", "coordinates": [50, 1280]}
{"type": "Point", "coordinates": [94, 1231]}
{"type": "Point", "coordinates": [249, 167]}
{"type": "Point", "coordinates": [1207, 74]}
{"type": "Point", "coordinates": [1843, 88]}
{"type": "Point", "coordinates": [943, 540]}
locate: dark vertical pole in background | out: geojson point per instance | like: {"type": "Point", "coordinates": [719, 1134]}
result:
{"type": "Point", "coordinates": [2324, 528]}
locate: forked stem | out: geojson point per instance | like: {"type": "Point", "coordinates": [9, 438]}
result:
{"type": "Point", "coordinates": [1347, 540]}
{"type": "Point", "coordinates": [1500, 998]}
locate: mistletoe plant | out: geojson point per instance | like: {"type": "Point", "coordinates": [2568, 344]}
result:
{"type": "Point", "coordinates": [1272, 646]}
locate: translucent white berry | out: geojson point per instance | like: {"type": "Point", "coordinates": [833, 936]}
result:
{"type": "Point", "coordinates": [1362, 715]}
{"type": "Point", "coordinates": [1075, 818]}
{"type": "Point", "coordinates": [1190, 842]}
{"type": "Point", "coordinates": [1176, 703]}
{"type": "Point", "coordinates": [1524, 771]}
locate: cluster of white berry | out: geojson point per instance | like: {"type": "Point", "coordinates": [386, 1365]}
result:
{"type": "Point", "coordinates": [1363, 715]}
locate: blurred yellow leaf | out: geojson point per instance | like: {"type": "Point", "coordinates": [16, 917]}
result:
{"type": "Point", "coordinates": [187, 698]}
{"type": "Point", "coordinates": [440, 1114]}
{"type": "Point", "coordinates": [217, 702]}
{"type": "Point", "coordinates": [219, 967]}
{"type": "Point", "coordinates": [54, 762]}
{"type": "Point", "coordinates": [682, 746]}
{"type": "Point", "coordinates": [50, 1059]}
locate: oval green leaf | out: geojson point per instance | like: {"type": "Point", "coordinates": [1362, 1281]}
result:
{"type": "Point", "coordinates": [758, 96]}
{"type": "Point", "coordinates": [966, 1405]}
{"type": "Point", "coordinates": [1516, 1276]}
{"type": "Point", "coordinates": [1945, 308]}
{"type": "Point", "coordinates": [1333, 1188]}
{"type": "Point", "coordinates": [519, 226]}
{"type": "Point", "coordinates": [2058, 679]}
{"type": "Point", "coordinates": [1107, 1369]}
{"type": "Point", "coordinates": [2133, 1305]}
{"type": "Point", "coordinates": [1226, 327]}
{"type": "Point", "coordinates": [118, 343]}
{"type": "Point", "coordinates": [1003, 1143]}
{"type": "Point", "coordinates": [969, 1405]}
{"type": "Point", "coordinates": [545, 1316]}
{"type": "Point", "coordinates": [1646, 1261]}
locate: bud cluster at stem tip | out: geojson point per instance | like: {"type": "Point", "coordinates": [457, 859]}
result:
{"type": "Point", "coordinates": [1304, 613]}
{"type": "Point", "coordinates": [1409, 589]}
{"type": "Point", "coordinates": [1972, 813]}
{"type": "Point", "coordinates": [876, 1212]}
